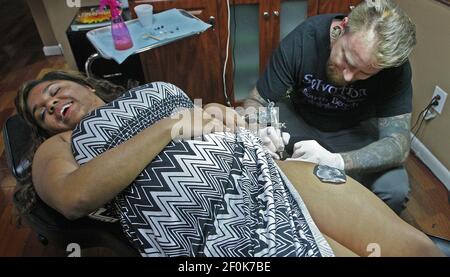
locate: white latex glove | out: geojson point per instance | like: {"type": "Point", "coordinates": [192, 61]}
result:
{"type": "Point", "coordinates": [311, 151]}
{"type": "Point", "coordinates": [274, 140]}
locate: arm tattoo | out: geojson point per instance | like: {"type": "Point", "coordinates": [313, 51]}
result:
{"type": "Point", "coordinates": [391, 149]}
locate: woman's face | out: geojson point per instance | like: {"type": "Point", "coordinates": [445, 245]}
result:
{"type": "Point", "coordinates": [59, 105]}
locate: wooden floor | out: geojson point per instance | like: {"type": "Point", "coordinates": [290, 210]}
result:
{"type": "Point", "coordinates": [428, 208]}
{"type": "Point", "coordinates": [21, 59]}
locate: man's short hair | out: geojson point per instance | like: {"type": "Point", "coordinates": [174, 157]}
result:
{"type": "Point", "coordinates": [394, 30]}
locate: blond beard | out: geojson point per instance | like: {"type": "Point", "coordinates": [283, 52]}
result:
{"type": "Point", "coordinates": [335, 76]}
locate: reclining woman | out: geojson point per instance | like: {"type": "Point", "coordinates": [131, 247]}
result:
{"type": "Point", "coordinates": [221, 195]}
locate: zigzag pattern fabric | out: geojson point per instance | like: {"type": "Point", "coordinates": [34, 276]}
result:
{"type": "Point", "coordinates": [219, 195]}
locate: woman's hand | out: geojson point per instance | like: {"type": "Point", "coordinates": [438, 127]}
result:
{"type": "Point", "coordinates": [190, 123]}
{"type": "Point", "coordinates": [229, 117]}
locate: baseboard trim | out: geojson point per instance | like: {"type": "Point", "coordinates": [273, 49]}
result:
{"type": "Point", "coordinates": [425, 155]}
{"type": "Point", "coordinates": [53, 50]}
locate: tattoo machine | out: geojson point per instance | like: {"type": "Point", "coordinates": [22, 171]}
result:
{"type": "Point", "coordinates": [270, 117]}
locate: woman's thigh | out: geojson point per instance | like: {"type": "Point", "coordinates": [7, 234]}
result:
{"type": "Point", "coordinates": [338, 249]}
{"type": "Point", "coordinates": [355, 217]}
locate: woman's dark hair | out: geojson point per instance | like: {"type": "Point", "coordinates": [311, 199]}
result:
{"type": "Point", "coordinates": [25, 195]}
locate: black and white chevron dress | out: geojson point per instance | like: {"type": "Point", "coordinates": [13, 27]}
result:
{"type": "Point", "coordinates": [221, 195]}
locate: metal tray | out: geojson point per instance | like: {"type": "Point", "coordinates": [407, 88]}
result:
{"type": "Point", "coordinates": [137, 31]}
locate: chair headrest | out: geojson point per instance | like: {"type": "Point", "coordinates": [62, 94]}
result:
{"type": "Point", "coordinates": [16, 134]}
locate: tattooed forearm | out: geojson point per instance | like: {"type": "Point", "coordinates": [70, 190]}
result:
{"type": "Point", "coordinates": [389, 151]}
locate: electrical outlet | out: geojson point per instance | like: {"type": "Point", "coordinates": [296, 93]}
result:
{"type": "Point", "coordinates": [441, 102]}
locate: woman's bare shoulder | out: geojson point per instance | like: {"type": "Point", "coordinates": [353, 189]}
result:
{"type": "Point", "coordinates": [58, 144]}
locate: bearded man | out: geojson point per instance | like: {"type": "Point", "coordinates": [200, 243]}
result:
{"type": "Point", "coordinates": [334, 76]}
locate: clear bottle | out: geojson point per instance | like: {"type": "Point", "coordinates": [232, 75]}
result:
{"type": "Point", "coordinates": [121, 35]}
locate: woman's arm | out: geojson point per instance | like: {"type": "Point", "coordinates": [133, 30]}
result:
{"type": "Point", "coordinates": [76, 190]}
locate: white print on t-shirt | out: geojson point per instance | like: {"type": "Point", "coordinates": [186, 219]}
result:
{"type": "Point", "coordinates": [342, 98]}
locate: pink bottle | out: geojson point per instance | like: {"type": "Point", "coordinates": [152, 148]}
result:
{"type": "Point", "coordinates": [121, 35]}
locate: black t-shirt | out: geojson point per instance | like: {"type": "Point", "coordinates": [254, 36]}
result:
{"type": "Point", "coordinates": [299, 66]}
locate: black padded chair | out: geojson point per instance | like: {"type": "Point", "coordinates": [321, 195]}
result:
{"type": "Point", "coordinates": [51, 226]}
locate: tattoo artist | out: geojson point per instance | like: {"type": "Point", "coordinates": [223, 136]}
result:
{"type": "Point", "coordinates": [343, 87]}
